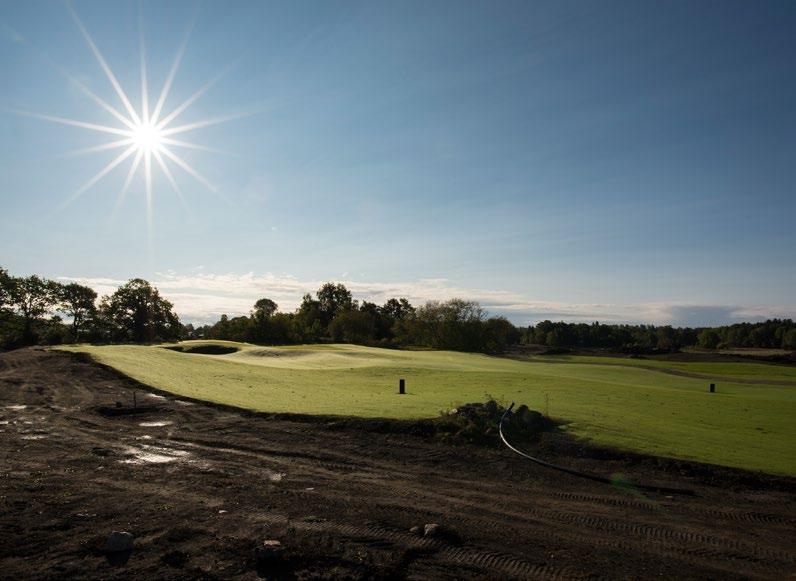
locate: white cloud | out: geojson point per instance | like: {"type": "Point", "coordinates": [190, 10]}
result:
{"type": "Point", "coordinates": [203, 297]}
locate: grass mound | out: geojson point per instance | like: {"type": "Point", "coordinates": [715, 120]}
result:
{"type": "Point", "coordinates": [276, 353]}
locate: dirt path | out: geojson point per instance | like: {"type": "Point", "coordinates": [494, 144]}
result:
{"type": "Point", "coordinates": [201, 487]}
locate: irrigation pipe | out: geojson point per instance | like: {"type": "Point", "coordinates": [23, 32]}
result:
{"type": "Point", "coordinates": [578, 473]}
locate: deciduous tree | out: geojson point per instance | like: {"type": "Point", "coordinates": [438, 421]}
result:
{"type": "Point", "coordinates": [32, 297]}
{"type": "Point", "coordinates": [138, 313]}
{"type": "Point", "coordinates": [77, 301]}
{"type": "Point", "coordinates": [333, 299]}
{"type": "Point", "coordinates": [265, 308]}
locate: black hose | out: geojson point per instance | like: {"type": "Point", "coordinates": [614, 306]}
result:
{"type": "Point", "coordinates": [579, 474]}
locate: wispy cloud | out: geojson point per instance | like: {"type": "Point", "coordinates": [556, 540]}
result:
{"type": "Point", "coordinates": [9, 34]}
{"type": "Point", "coordinates": [202, 297]}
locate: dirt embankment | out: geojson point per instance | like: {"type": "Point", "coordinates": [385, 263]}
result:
{"type": "Point", "coordinates": [202, 487]}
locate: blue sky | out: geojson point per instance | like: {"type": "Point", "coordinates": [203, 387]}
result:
{"type": "Point", "coordinates": [620, 161]}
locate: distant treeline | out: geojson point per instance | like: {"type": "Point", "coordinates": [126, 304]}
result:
{"type": "Point", "coordinates": [459, 325]}
{"type": "Point", "coordinates": [33, 310]}
{"type": "Point", "coordinates": [771, 334]}
{"type": "Point", "coordinates": [333, 315]}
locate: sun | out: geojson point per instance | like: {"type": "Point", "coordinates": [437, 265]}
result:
{"type": "Point", "coordinates": [145, 134]}
{"type": "Point", "coordinates": [147, 138]}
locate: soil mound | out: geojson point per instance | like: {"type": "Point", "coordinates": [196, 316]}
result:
{"type": "Point", "coordinates": [478, 423]}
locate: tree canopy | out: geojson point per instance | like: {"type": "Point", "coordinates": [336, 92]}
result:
{"type": "Point", "coordinates": [77, 301]}
{"type": "Point", "coordinates": [31, 308]}
{"type": "Point", "coordinates": [136, 312]}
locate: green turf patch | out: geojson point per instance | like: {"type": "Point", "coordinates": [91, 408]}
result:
{"type": "Point", "coordinates": [748, 371]}
{"type": "Point", "coordinates": [630, 406]}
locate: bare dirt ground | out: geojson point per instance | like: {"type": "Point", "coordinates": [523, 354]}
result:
{"type": "Point", "coordinates": [202, 487]}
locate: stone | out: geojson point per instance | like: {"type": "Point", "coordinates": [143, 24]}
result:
{"type": "Point", "coordinates": [437, 531]}
{"type": "Point", "coordinates": [272, 543]}
{"type": "Point", "coordinates": [119, 542]}
{"type": "Point", "coordinates": [414, 531]}
{"type": "Point", "coordinates": [431, 530]}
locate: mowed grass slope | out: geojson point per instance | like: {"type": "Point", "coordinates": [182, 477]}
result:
{"type": "Point", "coordinates": [751, 370]}
{"type": "Point", "coordinates": [634, 407]}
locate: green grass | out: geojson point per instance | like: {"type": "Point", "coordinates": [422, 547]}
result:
{"type": "Point", "coordinates": [717, 371]}
{"type": "Point", "coordinates": [611, 402]}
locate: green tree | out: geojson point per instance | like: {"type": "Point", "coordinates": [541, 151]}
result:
{"type": "Point", "coordinates": [789, 339]}
{"type": "Point", "coordinates": [281, 329]}
{"type": "Point", "coordinates": [500, 333]}
{"type": "Point", "coordinates": [76, 301]}
{"type": "Point", "coordinates": [353, 327]}
{"type": "Point", "coordinates": [32, 297]}
{"type": "Point", "coordinates": [455, 324]}
{"type": "Point", "coordinates": [138, 313]}
{"type": "Point", "coordinates": [265, 308]}
{"type": "Point", "coordinates": [221, 329]}
{"type": "Point", "coordinates": [6, 285]}
{"type": "Point", "coordinates": [667, 339]}
{"type": "Point", "coordinates": [332, 299]}
{"type": "Point", "coordinates": [308, 323]}
{"type": "Point", "coordinates": [708, 339]}
{"type": "Point", "coordinates": [397, 309]}
{"type": "Point", "coordinates": [10, 323]}
{"type": "Point", "coordinates": [260, 327]}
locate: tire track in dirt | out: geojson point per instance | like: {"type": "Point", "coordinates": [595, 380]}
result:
{"type": "Point", "coordinates": [680, 542]}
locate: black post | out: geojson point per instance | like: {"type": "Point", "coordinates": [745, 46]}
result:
{"type": "Point", "coordinates": [712, 388]}
{"type": "Point", "coordinates": [401, 386]}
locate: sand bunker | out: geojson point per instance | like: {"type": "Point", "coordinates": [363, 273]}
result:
{"type": "Point", "coordinates": [205, 349]}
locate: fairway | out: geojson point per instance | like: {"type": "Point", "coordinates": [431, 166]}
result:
{"type": "Point", "coordinates": [634, 405]}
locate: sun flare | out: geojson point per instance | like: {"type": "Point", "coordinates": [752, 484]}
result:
{"type": "Point", "coordinates": [147, 138]}
{"type": "Point", "coordinates": [145, 134]}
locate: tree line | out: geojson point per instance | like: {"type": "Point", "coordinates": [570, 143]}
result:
{"type": "Point", "coordinates": [770, 334]}
{"type": "Point", "coordinates": [35, 310]}
{"type": "Point", "coordinates": [332, 314]}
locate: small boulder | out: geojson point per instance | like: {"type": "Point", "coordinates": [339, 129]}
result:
{"type": "Point", "coordinates": [119, 542]}
{"type": "Point", "coordinates": [415, 531]}
{"type": "Point", "coordinates": [437, 531]}
{"type": "Point", "coordinates": [273, 544]}
{"type": "Point", "coordinates": [431, 530]}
